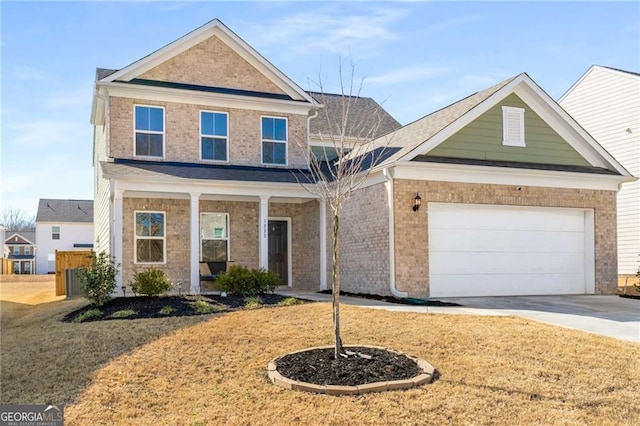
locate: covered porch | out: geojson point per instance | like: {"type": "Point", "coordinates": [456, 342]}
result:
{"type": "Point", "coordinates": [176, 226]}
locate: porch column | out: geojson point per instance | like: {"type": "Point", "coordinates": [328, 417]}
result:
{"type": "Point", "coordinates": [194, 247]}
{"type": "Point", "coordinates": [264, 231]}
{"type": "Point", "coordinates": [117, 236]}
{"type": "Point", "coordinates": [323, 245]}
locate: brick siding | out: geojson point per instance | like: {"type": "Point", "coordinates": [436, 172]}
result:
{"type": "Point", "coordinates": [182, 132]}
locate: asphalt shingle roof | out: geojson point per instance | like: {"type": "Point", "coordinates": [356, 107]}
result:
{"type": "Point", "coordinates": [103, 73]}
{"type": "Point", "coordinates": [52, 210]}
{"type": "Point", "coordinates": [27, 235]}
{"type": "Point", "coordinates": [139, 168]}
{"type": "Point", "coordinates": [367, 118]}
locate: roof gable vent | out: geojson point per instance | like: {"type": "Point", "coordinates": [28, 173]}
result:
{"type": "Point", "coordinates": [512, 126]}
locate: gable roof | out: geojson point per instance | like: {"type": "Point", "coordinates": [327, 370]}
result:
{"type": "Point", "coordinates": [428, 132]}
{"type": "Point", "coordinates": [611, 70]}
{"type": "Point", "coordinates": [74, 211]}
{"type": "Point", "coordinates": [212, 28]}
{"type": "Point", "coordinates": [364, 113]}
{"type": "Point", "coordinates": [25, 238]}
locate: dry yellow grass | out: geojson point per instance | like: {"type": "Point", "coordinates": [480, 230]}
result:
{"type": "Point", "coordinates": [494, 370]}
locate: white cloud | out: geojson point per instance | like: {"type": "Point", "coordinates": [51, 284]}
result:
{"type": "Point", "coordinates": [27, 73]}
{"type": "Point", "coordinates": [307, 33]}
{"type": "Point", "coordinates": [44, 133]}
{"type": "Point", "coordinates": [409, 74]}
{"type": "Point", "coordinates": [76, 97]}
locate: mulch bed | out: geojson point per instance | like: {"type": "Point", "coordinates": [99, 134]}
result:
{"type": "Point", "coordinates": [318, 366]}
{"type": "Point", "coordinates": [391, 299]}
{"type": "Point", "coordinates": [149, 307]}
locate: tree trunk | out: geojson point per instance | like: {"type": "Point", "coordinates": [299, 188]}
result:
{"type": "Point", "coordinates": [335, 292]}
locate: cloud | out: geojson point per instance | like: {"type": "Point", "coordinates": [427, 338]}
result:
{"type": "Point", "coordinates": [27, 73]}
{"type": "Point", "coordinates": [44, 133]}
{"type": "Point", "coordinates": [409, 74]}
{"type": "Point", "coordinates": [76, 97]}
{"type": "Point", "coordinates": [306, 33]}
{"type": "Point", "coordinates": [454, 23]}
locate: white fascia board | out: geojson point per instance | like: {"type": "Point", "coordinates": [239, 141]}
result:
{"type": "Point", "coordinates": [560, 121]}
{"type": "Point", "coordinates": [207, 187]}
{"type": "Point", "coordinates": [464, 173]}
{"type": "Point", "coordinates": [163, 94]}
{"type": "Point", "coordinates": [574, 85]}
{"type": "Point", "coordinates": [464, 120]}
{"type": "Point", "coordinates": [218, 29]}
{"type": "Point", "coordinates": [17, 234]}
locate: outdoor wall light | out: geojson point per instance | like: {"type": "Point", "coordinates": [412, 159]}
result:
{"type": "Point", "coordinates": [417, 201]}
{"type": "Point", "coordinates": [179, 288]}
{"type": "Point", "coordinates": [124, 291]}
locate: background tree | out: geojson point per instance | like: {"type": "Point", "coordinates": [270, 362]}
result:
{"type": "Point", "coordinates": [338, 178]}
{"type": "Point", "coordinates": [18, 220]}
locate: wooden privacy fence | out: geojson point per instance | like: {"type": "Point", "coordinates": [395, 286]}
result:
{"type": "Point", "coordinates": [69, 260]}
{"type": "Point", "coordinates": [6, 267]}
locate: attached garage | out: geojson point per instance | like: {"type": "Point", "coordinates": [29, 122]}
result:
{"type": "Point", "coordinates": [498, 250]}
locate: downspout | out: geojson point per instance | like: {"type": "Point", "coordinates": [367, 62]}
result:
{"type": "Point", "coordinates": [392, 257]}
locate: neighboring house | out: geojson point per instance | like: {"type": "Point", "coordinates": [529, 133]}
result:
{"type": "Point", "coordinates": [606, 102]}
{"type": "Point", "coordinates": [201, 152]}
{"type": "Point", "coordinates": [21, 247]}
{"type": "Point", "coordinates": [62, 225]}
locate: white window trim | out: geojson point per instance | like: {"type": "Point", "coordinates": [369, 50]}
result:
{"type": "Point", "coordinates": [506, 111]}
{"type": "Point", "coordinates": [227, 238]}
{"type": "Point", "coordinates": [53, 233]}
{"type": "Point", "coordinates": [27, 250]}
{"type": "Point", "coordinates": [151, 132]}
{"type": "Point", "coordinates": [16, 250]}
{"type": "Point", "coordinates": [285, 142]}
{"type": "Point", "coordinates": [136, 238]}
{"type": "Point", "coordinates": [226, 160]}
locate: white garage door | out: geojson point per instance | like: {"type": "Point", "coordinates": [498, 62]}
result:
{"type": "Point", "coordinates": [490, 250]}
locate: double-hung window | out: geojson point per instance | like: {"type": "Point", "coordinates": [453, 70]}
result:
{"type": "Point", "coordinates": [214, 237]}
{"type": "Point", "coordinates": [16, 250]}
{"type": "Point", "coordinates": [213, 135]}
{"type": "Point", "coordinates": [274, 140]}
{"type": "Point", "coordinates": [27, 250]}
{"type": "Point", "coordinates": [149, 129]}
{"type": "Point", "coordinates": [149, 238]}
{"type": "Point", "coordinates": [55, 232]}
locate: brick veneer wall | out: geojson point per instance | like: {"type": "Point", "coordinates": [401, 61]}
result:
{"type": "Point", "coordinates": [364, 242]}
{"type": "Point", "coordinates": [212, 63]}
{"type": "Point", "coordinates": [243, 236]}
{"type": "Point", "coordinates": [177, 237]}
{"type": "Point", "coordinates": [305, 254]}
{"type": "Point", "coordinates": [182, 132]}
{"type": "Point", "coordinates": [411, 239]}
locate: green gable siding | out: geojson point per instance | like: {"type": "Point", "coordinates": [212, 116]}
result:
{"type": "Point", "coordinates": [482, 140]}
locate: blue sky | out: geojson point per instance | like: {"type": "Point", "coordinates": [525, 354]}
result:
{"type": "Point", "coordinates": [415, 57]}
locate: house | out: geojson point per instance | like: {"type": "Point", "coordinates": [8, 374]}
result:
{"type": "Point", "coordinates": [62, 225]}
{"type": "Point", "coordinates": [201, 154]}
{"type": "Point", "coordinates": [606, 103]}
{"type": "Point", "coordinates": [21, 248]}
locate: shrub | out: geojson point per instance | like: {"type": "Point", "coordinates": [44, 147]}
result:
{"type": "Point", "coordinates": [99, 279]}
{"type": "Point", "coordinates": [125, 313]}
{"type": "Point", "coordinates": [253, 302]}
{"type": "Point", "coordinates": [91, 314]}
{"type": "Point", "coordinates": [152, 282]}
{"type": "Point", "coordinates": [290, 301]}
{"type": "Point", "coordinates": [204, 307]}
{"type": "Point", "coordinates": [242, 281]}
{"type": "Point", "coordinates": [167, 310]}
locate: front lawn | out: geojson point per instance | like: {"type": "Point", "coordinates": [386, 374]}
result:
{"type": "Point", "coordinates": [205, 369]}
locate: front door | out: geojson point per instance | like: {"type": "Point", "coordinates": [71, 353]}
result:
{"type": "Point", "coordinates": [278, 250]}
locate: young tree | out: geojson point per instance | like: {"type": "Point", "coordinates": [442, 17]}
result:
{"type": "Point", "coordinates": [18, 220]}
{"type": "Point", "coordinates": [336, 180]}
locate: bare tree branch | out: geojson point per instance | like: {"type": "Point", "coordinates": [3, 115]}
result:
{"type": "Point", "coordinates": [18, 220]}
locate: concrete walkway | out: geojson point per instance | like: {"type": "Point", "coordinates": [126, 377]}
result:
{"type": "Point", "coordinates": [611, 316]}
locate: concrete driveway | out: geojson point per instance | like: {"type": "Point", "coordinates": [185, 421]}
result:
{"type": "Point", "coordinates": [611, 316]}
